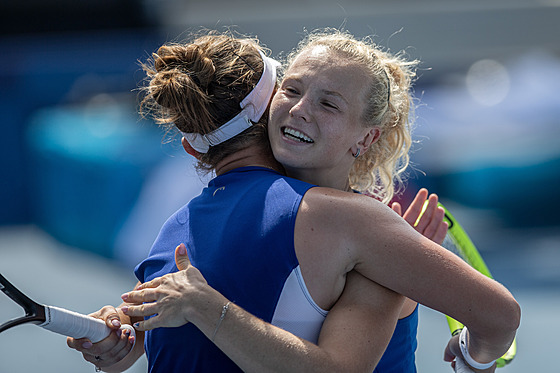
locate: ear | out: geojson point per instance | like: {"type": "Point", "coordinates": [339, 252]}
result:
{"type": "Point", "coordinates": [370, 138]}
{"type": "Point", "coordinates": [189, 149]}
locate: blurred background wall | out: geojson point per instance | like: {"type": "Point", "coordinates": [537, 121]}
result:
{"type": "Point", "coordinates": [78, 164]}
{"type": "Point", "coordinates": [487, 118]}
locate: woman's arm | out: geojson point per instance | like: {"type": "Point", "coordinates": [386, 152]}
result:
{"type": "Point", "coordinates": [353, 338]}
{"type": "Point", "coordinates": [396, 256]}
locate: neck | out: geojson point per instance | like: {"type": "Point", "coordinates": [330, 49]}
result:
{"type": "Point", "coordinates": [324, 178]}
{"type": "Point", "coordinates": [251, 156]}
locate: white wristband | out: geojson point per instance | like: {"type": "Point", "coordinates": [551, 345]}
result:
{"type": "Point", "coordinates": [468, 358]}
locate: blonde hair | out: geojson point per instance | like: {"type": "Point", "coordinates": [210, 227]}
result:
{"type": "Point", "coordinates": [197, 86]}
{"type": "Point", "coordinates": [379, 171]}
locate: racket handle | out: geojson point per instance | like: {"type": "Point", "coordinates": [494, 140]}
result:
{"type": "Point", "coordinates": [461, 366]}
{"type": "Point", "coordinates": [76, 325]}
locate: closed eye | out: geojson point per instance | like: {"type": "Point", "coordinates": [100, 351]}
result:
{"type": "Point", "coordinates": [291, 90]}
{"type": "Point", "coordinates": [329, 105]}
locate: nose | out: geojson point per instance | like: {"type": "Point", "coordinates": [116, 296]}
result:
{"type": "Point", "coordinates": [301, 109]}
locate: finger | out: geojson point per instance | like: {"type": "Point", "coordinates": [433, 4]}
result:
{"type": "Point", "coordinates": [434, 223]}
{"type": "Point", "coordinates": [452, 349]}
{"type": "Point", "coordinates": [140, 296]}
{"type": "Point", "coordinates": [100, 348]}
{"type": "Point", "coordinates": [441, 232]}
{"type": "Point", "coordinates": [149, 324]}
{"type": "Point", "coordinates": [181, 257]}
{"type": "Point", "coordinates": [428, 214]}
{"type": "Point", "coordinates": [80, 345]}
{"type": "Point", "coordinates": [397, 208]}
{"type": "Point", "coordinates": [158, 322]}
{"type": "Point", "coordinates": [415, 209]}
{"type": "Point", "coordinates": [104, 358]}
{"type": "Point", "coordinates": [448, 355]}
{"type": "Point", "coordinates": [150, 284]}
{"type": "Point", "coordinates": [142, 310]}
{"type": "Point", "coordinates": [110, 315]}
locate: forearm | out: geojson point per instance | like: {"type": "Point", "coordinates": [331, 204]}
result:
{"type": "Point", "coordinates": [353, 337]}
{"type": "Point", "coordinates": [484, 306]}
{"type": "Point", "coordinates": [257, 346]}
{"type": "Point", "coordinates": [491, 336]}
{"type": "Point", "coordinates": [435, 277]}
{"type": "Point", "coordinates": [254, 345]}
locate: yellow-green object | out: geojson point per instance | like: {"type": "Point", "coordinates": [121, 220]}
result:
{"type": "Point", "coordinates": [459, 242]}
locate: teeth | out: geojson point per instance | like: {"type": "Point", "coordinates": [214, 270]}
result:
{"type": "Point", "coordinates": [296, 135]}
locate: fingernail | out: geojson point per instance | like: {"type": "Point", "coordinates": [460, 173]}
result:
{"type": "Point", "coordinates": [124, 309]}
{"type": "Point", "coordinates": [182, 250]}
{"type": "Point", "coordinates": [131, 339]}
{"type": "Point", "coordinates": [87, 344]}
{"type": "Point", "coordinates": [116, 323]}
{"type": "Point", "coordinates": [124, 296]}
{"type": "Point", "coordinates": [136, 325]}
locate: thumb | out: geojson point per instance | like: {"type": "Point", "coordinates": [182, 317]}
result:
{"type": "Point", "coordinates": [452, 349]}
{"type": "Point", "coordinates": [182, 257]}
{"type": "Point", "coordinates": [110, 315]}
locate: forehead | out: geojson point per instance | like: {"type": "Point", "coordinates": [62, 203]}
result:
{"type": "Point", "coordinates": [321, 65]}
{"type": "Point", "coordinates": [322, 57]}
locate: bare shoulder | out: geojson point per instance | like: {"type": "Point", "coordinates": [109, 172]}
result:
{"type": "Point", "coordinates": [335, 208]}
{"type": "Point", "coordinates": [325, 241]}
{"type": "Point", "coordinates": [342, 224]}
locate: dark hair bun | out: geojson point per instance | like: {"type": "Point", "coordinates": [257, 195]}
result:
{"type": "Point", "coordinates": [181, 72]}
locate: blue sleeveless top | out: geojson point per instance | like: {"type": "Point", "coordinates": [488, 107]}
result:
{"type": "Point", "coordinates": [240, 234]}
{"type": "Point", "coordinates": [399, 357]}
{"type": "Point", "coordinates": [241, 230]}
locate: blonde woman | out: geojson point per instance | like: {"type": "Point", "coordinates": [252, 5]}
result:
{"type": "Point", "coordinates": [271, 254]}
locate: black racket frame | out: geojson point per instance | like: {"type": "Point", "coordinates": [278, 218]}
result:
{"type": "Point", "coordinates": [34, 312]}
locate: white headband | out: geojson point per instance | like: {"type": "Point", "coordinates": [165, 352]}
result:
{"type": "Point", "coordinates": [253, 107]}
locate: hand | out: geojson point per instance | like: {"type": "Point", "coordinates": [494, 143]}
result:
{"type": "Point", "coordinates": [431, 223]}
{"type": "Point", "coordinates": [453, 355]}
{"type": "Point", "coordinates": [112, 349]}
{"type": "Point", "coordinates": [460, 366]}
{"type": "Point", "coordinates": [172, 297]}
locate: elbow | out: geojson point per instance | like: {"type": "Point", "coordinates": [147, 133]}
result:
{"type": "Point", "coordinates": [510, 318]}
{"type": "Point", "coordinates": [515, 319]}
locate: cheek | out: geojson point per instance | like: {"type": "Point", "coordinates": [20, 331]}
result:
{"type": "Point", "coordinates": [273, 115]}
{"type": "Point", "coordinates": [280, 105]}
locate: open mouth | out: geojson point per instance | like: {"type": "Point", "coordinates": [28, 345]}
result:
{"type": "Point", "coordinates": [296, 135]}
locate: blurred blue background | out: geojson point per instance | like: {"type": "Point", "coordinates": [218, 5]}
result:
{"type": "Point", "coordinates": [85, 184]}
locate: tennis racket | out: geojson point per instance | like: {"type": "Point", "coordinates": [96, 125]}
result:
{"type": "Point", "coordinates": [55, 319]}
{"type": "Point", "coordinates": [459, 243]}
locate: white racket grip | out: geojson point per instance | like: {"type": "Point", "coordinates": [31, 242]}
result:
{"type": "Point", "coordinates": [77, 325]}
{"type": "Point", "coordinates": [461, 366]}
